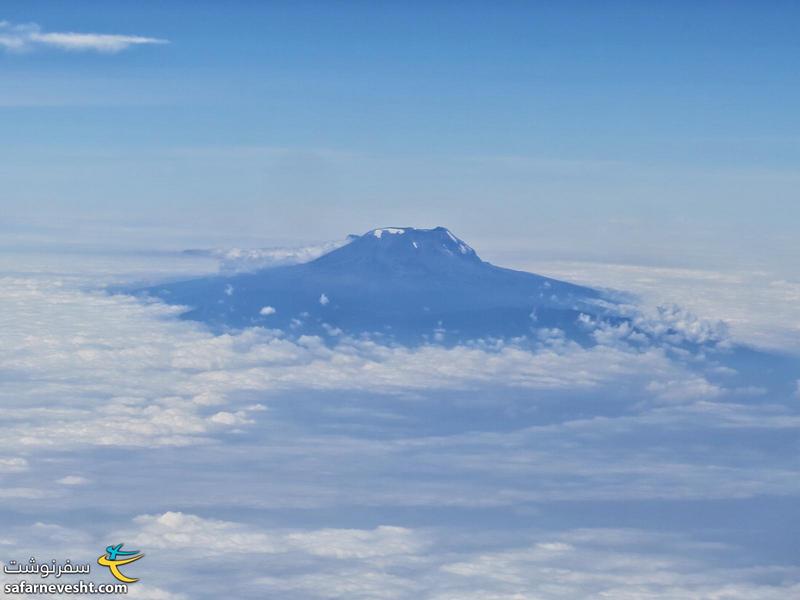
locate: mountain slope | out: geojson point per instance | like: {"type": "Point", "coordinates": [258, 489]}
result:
{"type": "Point", "coordinates": [403, 283]}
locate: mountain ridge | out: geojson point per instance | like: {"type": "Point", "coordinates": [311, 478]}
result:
{"type": "Point", "coordinates": [404, 283]}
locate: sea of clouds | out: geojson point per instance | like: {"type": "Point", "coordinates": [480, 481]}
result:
{"type": "Point", "coordinates": [254, 462]}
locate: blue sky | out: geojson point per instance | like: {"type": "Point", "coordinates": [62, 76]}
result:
{"type": "Point", "coordinates": [560, 128]}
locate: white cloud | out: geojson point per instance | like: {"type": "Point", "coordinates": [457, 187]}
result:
{"type": "Point", "coordinates": [13, 465]}
{"type": "Point", "coordinates": [683, 389]}
{"type": "Point", "coordinates": [331, 330]}
{"type": "Point", "coordinates": [20, 38]}
{"type": "Point", "coordinates": [208, 537]}
{"type": "Point", "coordinates": [229, 418]}
{"type": "Point", "coordinates": [323, 300]}
{"type": "Point", "coordinates": [176, 530]}
{"type": "Point", "coordinates": [403, 563]}
{"type": "Point", "coordinates": [24, 493]}
{"type": "Point", "coordinates": [609, 563]}
{"type": "Point", "coordinates": [758, 307]}
{"type": "Point", "coordinates": [267, 310]}
{"type": "Point", "coordinates": [73, 480]}
{"type": "Point", "coordinates": [358, 543]}
{"type": "Point", "coordinates": [243, 260]}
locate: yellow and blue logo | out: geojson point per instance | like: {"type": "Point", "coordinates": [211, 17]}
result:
{"type": "Point", "coordinates": [115, 557]}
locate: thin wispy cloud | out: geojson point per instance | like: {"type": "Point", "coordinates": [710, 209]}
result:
{"type": "Point", "coordinates": [29, 36]}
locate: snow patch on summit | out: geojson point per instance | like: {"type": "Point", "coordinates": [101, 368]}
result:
{"type": "Point", "coordinates": [462, 247]}
{"type": "Point", "coordinates": [392, 230]}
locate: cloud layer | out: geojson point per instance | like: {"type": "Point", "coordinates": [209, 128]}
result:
{"type": "Point", "coordinates": [302, 468]}
{"type": "Point", "coordinates": [74, 359]}
{"type": "Point", "coordinates": [191, 556]}
{"type": "Point", "coordinates": [759, 308]}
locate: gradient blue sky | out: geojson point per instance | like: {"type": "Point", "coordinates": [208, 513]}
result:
{"type": "Point", "coordinates": [605, 143]}
{"type": "Point", "coordinates": [619, 130]}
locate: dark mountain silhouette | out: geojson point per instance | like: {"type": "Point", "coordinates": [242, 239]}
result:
{"type": "Point", "coordinates": [403, 283]}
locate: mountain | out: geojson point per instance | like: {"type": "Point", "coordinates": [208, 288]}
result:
{"type": "Point", "coordinates": [400, 283]}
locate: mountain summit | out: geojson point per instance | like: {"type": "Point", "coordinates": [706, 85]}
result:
{"type": "Point", "coordinates": [404, 284]}
{"type": "Point", "coordinates": [407, 245]}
